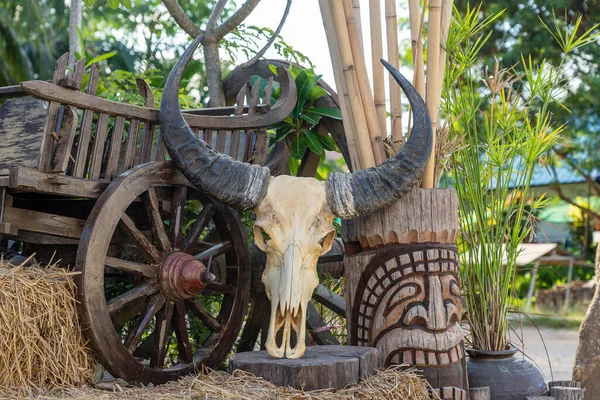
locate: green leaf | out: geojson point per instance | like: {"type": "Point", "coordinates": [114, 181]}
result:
{"type": "Point", "coordinates": [327, 142]}
{"type": "Point", "coordinates": [89, 3]}
{"type": "Point", "coordinates": [101, 57]}
{"type": "Point", "coordinates": [316, 93]}
{"type": "Point", "coordinates": [312, 119]}
{"type": "Point", "coordinates": [327, 112]}
{"type": "Point", "coordinates": [273, 69]}
{"type": "Point", "coordinates": [313, 143]}
{"type": "Point", "coordinates": [303, 87]}
{"type": "Point", "coordinates": [293, 164]}
{"type": "Point", "coordinates": [113, 4]}
{"type": "Point", "coordinates": [127, 4]}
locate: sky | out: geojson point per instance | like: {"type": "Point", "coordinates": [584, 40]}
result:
{"type": "Point", "coordinates": [304, 30]}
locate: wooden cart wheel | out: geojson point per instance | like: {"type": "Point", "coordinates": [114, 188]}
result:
{"type": "Point", "coordinates": [151, 310]}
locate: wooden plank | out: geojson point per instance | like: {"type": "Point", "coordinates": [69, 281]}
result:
{"type": "Point", "coordinates": [39, 222]}
{"type": "Point", "coordinates": [22, 124]}
{"type": "Point", "coordinates": [334, 302]}
{"type": "Point", "coordinates": [32, 180]}
{"type": "Point", "coordinates": [239, 110]}
{"type": "Point", "coordinates": [49, 129]}
{"type": "Point", "coordinates": [147, 138]}
{"type": "Point", "coordinates": [50, 92]}
{"type": "Point", "coordinates": [98, 152]}
{"type": "Point", "coordinates": [62, 154]}
{"type": "Point", "coordinates": [85, 133]}
{"type": "Point", "coordinates": [115, 148]}
{"type": "Point", "coordinates": [132, 136]}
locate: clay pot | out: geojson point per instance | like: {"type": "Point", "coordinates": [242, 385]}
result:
{"type": "Point", "coordinates": [508, 377]}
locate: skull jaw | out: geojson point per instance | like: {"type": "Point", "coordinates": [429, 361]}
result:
{"type": "Point", "coordinates": [287, 324]}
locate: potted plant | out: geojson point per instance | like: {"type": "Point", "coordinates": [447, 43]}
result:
{"type": "Point", "coordinates": [501, 130]}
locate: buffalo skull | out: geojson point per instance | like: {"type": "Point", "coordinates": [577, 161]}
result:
{"type": "Point", "coordinates": [293, 215]}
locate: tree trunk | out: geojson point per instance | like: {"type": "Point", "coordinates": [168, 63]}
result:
{"type": "Point", "coordinates": [74, 25]}
{"type": "Point", "coordinates": [214, 73]}
{"type": "Point", "coordinates": [587, 359]}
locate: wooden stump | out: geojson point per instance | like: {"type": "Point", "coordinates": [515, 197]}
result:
{"type": "Point", "coordinates": [403, 286]}
{"type": "Point", "coordinates": [566, 393]}
{"type": "Point", "coordinates": [322, 367]}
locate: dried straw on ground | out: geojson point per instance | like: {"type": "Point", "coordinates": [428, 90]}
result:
{"type": "Point", "coordinates": [393, 383]}
{"type": "Point", "coordinates": [41, 344]}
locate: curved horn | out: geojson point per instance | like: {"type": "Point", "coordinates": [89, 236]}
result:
{"type": "Point", "coordinates": [232, 182]}
{"type": "Point", "coordinates": [351, 195]}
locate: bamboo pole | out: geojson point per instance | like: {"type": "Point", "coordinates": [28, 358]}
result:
{"type": "Point", "coordinates": [365, 149]}
{"type": "Point", "coordinates": [376, 55]}
{"type": "Point", "coordinates": [391, 29]}
{"type": "Point", "coordinates": [356, 10]}
{"type": "Point", "coordinates": [364, 87]}
{"type": "Point", "coordinates": [416, 38]}
{"type": "Point", "coordinates": [341, 84]}
{"type": "Point", "coordinates": [433, 83]}
{"type": "Point", "coordinates": [447, 7]}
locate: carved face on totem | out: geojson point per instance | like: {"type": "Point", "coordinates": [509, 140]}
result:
{"type": "Point", "coordinates": [294, 215]}
{"type": "Point", "coordinates": [413, 298]}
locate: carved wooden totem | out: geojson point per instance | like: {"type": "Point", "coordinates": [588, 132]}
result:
{"type": "Point", "coordinates": [403, 287]}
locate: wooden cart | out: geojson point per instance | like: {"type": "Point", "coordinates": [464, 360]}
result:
{"type": "Point", "coordinates": [89, 179]}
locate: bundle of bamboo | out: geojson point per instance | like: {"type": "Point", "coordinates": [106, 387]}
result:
{"type": "Point", "coordinates": [363, 108]}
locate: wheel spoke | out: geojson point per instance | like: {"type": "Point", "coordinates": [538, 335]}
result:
{"type": "Point", "coordinates": [143, 243]}
{"type": "Point", "coordinates": [153, 305]}
{"type": "Point", "coordinates": [207, 319]}
{"type": "Point", "coordinates": [215, 251]}
{"type": "Point", "coordinates": [143, 290]}
{"type": "Point", "coordinates": [181, 332]}
{"type": "Point", "coordinates": [151, 201]}
{"type": "Point", "coordinates": [128, 266]}
{"type": "Point", "coordinates": [197, 227]}
{"type": "Point", "coordinates": [163, 323]}
{"type": "Point", "coordinates": [220, 287]}
{"type": "Point", "coordinates": [179, 198]}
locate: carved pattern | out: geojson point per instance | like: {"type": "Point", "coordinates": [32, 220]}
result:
{"type": "Point", "coordinates": [413, 294]}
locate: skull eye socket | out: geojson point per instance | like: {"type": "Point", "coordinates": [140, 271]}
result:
{"type": "Point", "coordinates": [326, 242]}
{"type": "Point", "coordinates": [261, 237]}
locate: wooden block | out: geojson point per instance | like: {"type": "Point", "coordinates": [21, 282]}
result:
{"type": "Point", "coordinates": [481, 393]}
{"type": "Point", "coordinates": [8, 229]}
{"type": "Point", "coordinates": [566, 393]}
{"type": "Point", "coordinates": [322, 367]}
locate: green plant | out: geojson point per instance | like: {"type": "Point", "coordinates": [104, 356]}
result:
{"type": "Point", "coordinates": [299, 128]}
{"type": "Point", "coordinates": [505, 129]}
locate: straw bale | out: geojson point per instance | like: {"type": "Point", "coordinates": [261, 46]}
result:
{"type": "Point", "coordinates": [41, 344]}
{"type": "Point", "coordinates": [395, 383]}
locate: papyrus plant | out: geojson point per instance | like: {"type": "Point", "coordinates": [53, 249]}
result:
{"type": "Point", "coordinates": [500, 126]}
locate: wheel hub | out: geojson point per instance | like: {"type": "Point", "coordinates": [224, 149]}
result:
{"type": "Point", "coordinates": [182, 277]}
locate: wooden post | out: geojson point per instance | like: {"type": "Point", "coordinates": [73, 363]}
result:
{"type": "Point", "coordinates": [405, 263]}
{"type": "Point", "coordinates": [531, 289]}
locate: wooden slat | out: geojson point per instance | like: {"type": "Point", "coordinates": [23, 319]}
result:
{"type": "Point", "coordinates": [239, 109]}
{"type": "Point", "coordinates": [278, 112]}
{"type": "Point", "coordinates": [85, 133]}
{"type": "Point", "coordinates": [31, 180]}
{"type": "Point", "coordinates": [221, 137]}
{"type": "Point", "coordinates": [98, 153]}
{"type": "Point", "coordinates": [62, 154]}
{"type": "Point", "coordinates": [134, 127]}
{"type": "Point", "coordinates": [147, 138]}
{"type": "Point", "coordinates": [39, 222]}
{"type": "Point", "coordinates": [47, 139]}
{"type": "Point", "coordinates": [78, 70]}
{"type": "Point", "coordinates": [207, 136]}
{"type": "Point", "coordinates": [115, 148]}
{"type": "Point", "coordinates": [252, 103]}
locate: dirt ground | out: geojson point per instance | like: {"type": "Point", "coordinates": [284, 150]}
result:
{"type": "Point", "coordinates": [561, 346]}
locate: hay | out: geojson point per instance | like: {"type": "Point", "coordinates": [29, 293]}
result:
{"type": "Point", "coordinates": [41, 345]}
{"type": "Point", "coordinates": [395, 383]}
